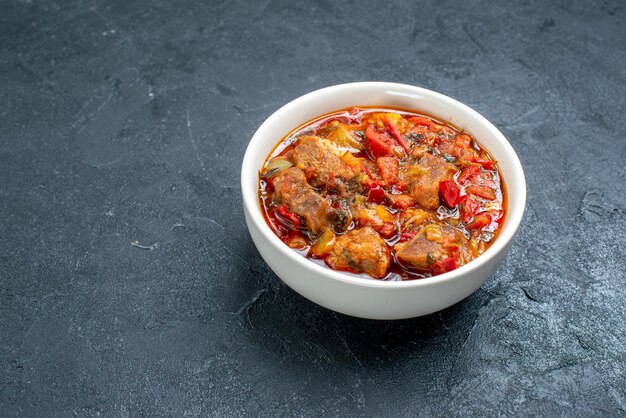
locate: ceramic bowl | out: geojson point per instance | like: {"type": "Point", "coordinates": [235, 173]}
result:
{"type": "Point", "coordinates": [369, 298]}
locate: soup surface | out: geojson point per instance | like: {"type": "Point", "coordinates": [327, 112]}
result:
{"type": "Point", "coordinates": [384, 193]}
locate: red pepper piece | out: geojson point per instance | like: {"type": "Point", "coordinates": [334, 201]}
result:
{"type": "Point", "coordinates": [396, 134]}
{"type": "Point", "coordinates": [379, 144]}
{"type": "Point", "coordinates": [468, 173]}
{"type": "Point", "coordinates": [443, 266]}
{"type": "Point", "coordinates": [468, 209]}
{"type": "Point", "coordinates": [450, 193]}
{"type": "Point", "coordinates": [376, 194]}
{"type": "Point", "coordinates": [289, 216]}
{"type": "Point", "coordinates": [389, 168]}
{"type": "Point", "coordinates": [480, 221]}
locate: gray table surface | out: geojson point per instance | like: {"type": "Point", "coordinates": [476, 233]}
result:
{"type": "Point", "coordinates": [126, 122]}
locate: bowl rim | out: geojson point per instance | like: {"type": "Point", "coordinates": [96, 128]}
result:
{"type": "Point", "coordinates": [511, 222]}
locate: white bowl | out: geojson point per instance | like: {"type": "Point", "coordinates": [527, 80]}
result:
{"type": "Point", "coordinates": [361, 297]}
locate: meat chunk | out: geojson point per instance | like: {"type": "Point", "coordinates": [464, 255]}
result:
{"type": "Point", "coordinates": [292, 190]}
{"type": "Point", "coordinates": [430, 244]}
{"type": "Point", "coordinates": [322, 167]}
{"type": "Point", "coordinates": [360, 251]}
{"type": "Point", "coordinates": [424, 177]}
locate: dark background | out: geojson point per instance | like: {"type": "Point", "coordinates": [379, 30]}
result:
{"type": "Point", "coordinates": [126, 122]}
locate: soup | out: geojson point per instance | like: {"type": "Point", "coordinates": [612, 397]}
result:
{"type": "Point", "coordinates": [384, 193]}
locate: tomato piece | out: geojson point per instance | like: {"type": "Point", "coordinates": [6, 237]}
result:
{"type": "Point", "coordinates": [289, 216]}
{"type": "Point", "coordinates": [481, 220]}
{"type": "Point", "coordinates": [405, 236]}
{"type": "Point", "coordinates": [420, 120]}
{"type": "Point", "coordinates": [371, 182]}
{"type": "Point", "coordinates": [379, 144]}
{"type": "Point", "coordinates": [482, 191]}
{"type": "Point", "coordinates": [396, 134]}
{"type": "Point", "coordinates": [443, 266]}
{"type": "Point", "coordinates": [376, 194]}
{"type": "Point", "coordinates": [435, 127]}
{"type": "Point", "coordinates": [467, 156]}
{"type": "Point", "coordinates": [468, 173]}
{"type": "Point", "coordinates": [463, 140]}
{"type": "Point", "coordinates": [389, 168]}
{"type": "Point", "coordinates": [450, 193]}
{"type": "Point", "coordinates": [487, 165]}
{"type": "Point", "coordinates": [468, 209]}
